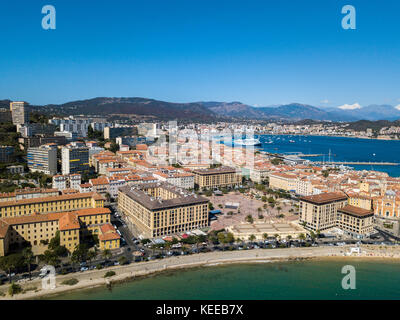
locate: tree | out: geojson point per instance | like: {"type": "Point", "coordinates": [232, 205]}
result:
{"type": "Point", "coordinates": [10, 263]}
{"type": "Point", "coordinates": [106, 254]}
{"type": "Point", "coordinates": [49, 257]}
{"type": "Point", "coordinates": [80, 253]}
{"type": "Point", "coordinates": [279, 209]}
{"type": "Point", "coordinates": [249, 218]}
{"type": "Point", "coordinates": [265, 236]}
{"type": "Point", "coordinates": [28, 258]}
{"type": "Point", "coordinates": [252, 237]}
{"type": "Point", "coordinates": [301, 237]}
{"type": "Point", "coordinates": [91, 255]}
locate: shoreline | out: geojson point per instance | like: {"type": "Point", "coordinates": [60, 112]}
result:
{"type": "Point", "coordinates": [334, 136]}
{"type": "Point", "coordinates": [95, 278]}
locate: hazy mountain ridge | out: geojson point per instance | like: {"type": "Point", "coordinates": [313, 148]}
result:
{"type": "Point", "coordinates": [213, 110]}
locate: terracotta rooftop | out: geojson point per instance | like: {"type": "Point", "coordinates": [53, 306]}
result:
{"type": "Point", "coordinates": [356, 211]}
{"type": "Point", "coordinates": [93, 195]}
{"type": "Point", "coordinates": [324, 198]}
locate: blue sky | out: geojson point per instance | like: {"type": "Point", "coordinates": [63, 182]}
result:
{"type": "Point", "coordinates": [257, 52]}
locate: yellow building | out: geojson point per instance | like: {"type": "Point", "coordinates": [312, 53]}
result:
{"type": "Point", "coordinates": [74, 226]}
{"type": "Point", "coordinates": [108, 238]}
{"type": "Point", "coordinates": [318, 212]}
{"type": "Point", "coordinates": [61, 203]}
{"type": "Point", "coordinates": [160, 209]}
{"type": "Point", "coordinates": [361, 201]}
{"type": "Point", "coordinates": [282, 181]}
{"type": "Point", "coordinates": [216, 177]}
{"type": "Point", "coordinates": [355, 221]}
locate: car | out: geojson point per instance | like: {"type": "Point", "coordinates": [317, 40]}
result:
{"type": "Point", "coordinates": [84, 269]}
{"type": "Point", "coordinates": [116, 263]}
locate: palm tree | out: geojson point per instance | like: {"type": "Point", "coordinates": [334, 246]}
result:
{"type": "Point", "coordinates": [301, 237]}
{"type": "Point", "coordinates": [276, 236]}
{"type": "Point", "coordinates": [252, 237]}
{"type": "Point", "coordinates": [279, 209]}
{"type": "Point", "coordinates": [265, 236]}
{"type": "Point", "coordinates": [28, 258]}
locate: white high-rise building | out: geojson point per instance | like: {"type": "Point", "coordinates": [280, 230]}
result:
{"type": "Point", "coordinates": [43, 158]}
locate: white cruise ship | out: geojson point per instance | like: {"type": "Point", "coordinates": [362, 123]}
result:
{"type": "Point", "coordinates": [247, 142]}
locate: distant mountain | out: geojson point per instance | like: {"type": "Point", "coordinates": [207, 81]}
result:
{"type": "Point", "coordinates": [213, 110]}
{"type": "Point", "coordinates": [374, 112]}
{"type": "Point", "coordinates": [293, 111]}
{"type": "Point", "coordinates": [140, 106]}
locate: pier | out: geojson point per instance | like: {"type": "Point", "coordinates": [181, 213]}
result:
{"type": "Point", "coordinates": [364, 163]}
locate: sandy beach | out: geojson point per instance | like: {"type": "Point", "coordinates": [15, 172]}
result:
{"type": "Point", "coordinates": [95, 278]}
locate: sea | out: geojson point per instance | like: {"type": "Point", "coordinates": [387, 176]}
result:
{"type": "Point", "coordinates": [311, 279]}
{"type": "Point", "coordinates": [338, 149]}
{"type": "Point", "coordinates": [315, 279]}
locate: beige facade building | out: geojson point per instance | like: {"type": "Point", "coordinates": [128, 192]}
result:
{"type": "Point", "coordinates": [20, 112]}
{"type": "Point", "coordinates": [160, 209]}
{"type": "Point", "coordinates": [355, 221]}
{"type": "Point", "coordinates": [216, 177]}
{"type": "Point", "coordinates": [319, 212]}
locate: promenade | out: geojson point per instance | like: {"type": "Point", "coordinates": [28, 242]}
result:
{"type": "Point", "coordinates": [95, 278]}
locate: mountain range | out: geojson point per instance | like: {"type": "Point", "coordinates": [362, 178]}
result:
{"type": "Point", "coordinates": [212, 110]}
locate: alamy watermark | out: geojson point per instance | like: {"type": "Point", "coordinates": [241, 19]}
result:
{"type": "Point", "coordinates": [49, 20]}
{"type": "Point", "coordinates": [349, 280]}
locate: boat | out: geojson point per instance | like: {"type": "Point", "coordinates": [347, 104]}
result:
{"type": "Point", "coordinates": [247, 142]}
{"type": "Point", "coordinates": [292, 141]}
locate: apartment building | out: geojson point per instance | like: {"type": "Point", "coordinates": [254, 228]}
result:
{"type": "Point", "coordinates": [43, 159]}
{"type": "Point", "coordinates": [74, 227]}
{"type": "Point", "coordinates": [69, 181]}
{"type": "Point", "coordinates": [283, 181]}
{"type": "Point", "coordinates": [75, 158]}
{"type": "Point", "coordinates": [59, 203]}
{"type": "Point", "coordinates": [173, 176]}
{"type": "Point", "coordinates": [20, 112]}
{"type": "Point", "coordinates": [160, 209]}
{"type": "Point", "coordinates": [319, 212]}
{"type": "Point", "coordinates": [7, 154]}
{"type": "Point", "coordinates": [216, 177]}
{"type": "Point", "coordinates": [28, 193]}
{"type": "Point", "coordinates": [355, 221]}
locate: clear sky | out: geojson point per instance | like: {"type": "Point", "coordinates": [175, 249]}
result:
{"type": "Point", "coordinates": [257, 52]}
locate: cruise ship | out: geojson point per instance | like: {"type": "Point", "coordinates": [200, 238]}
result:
{"type": "Point", "coordinates": [247, 142]}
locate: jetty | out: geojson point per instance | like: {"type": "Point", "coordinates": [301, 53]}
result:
{"type": "Point", "coordinates": [364, 163]}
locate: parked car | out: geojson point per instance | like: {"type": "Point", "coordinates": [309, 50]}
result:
{"type": "Point", "coordinates": [84, 269]}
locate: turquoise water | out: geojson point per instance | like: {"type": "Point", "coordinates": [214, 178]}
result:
{"type": "Point", "coordinates": [342, 149]}
{"type": "Point", "coordinates": [269, 281]}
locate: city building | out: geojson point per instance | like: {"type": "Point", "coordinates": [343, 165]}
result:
{"type": "Point", "coordinates": [15, 169]}
{"type": "Point", "coordinates": [70, 181]}
{"type": "Point", "coordinates": [319, 212]}
{"type": "Point", "coordinates": [74, 228]}
{"type": "Point", "coordinates": [75, 158]}
{"type": "Point", "coordinates": [28, 193]}
{"type": "Point", "coordinates": [59, 203]}
{"type": "Point", "coordinates": [7, 154]}
{"type": "Point", "coordinates": [160, 209]}
{"type": "Point", "coordinates": [20, 112]}
{"type": "Point", "coordinates": [354, 221]}
{"type": "Point", "coordinates": [36, 141]}
{"type": "Point", "coordinates": [43, 159]}
{"type": "Point", "coordinates": [176, 177]}
{"type": "Point", "coordinates": [216, 177]}
{"type": "Point", "coordinates": [114, 132]}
